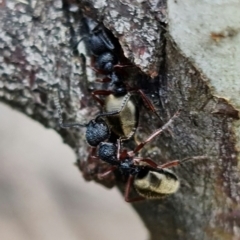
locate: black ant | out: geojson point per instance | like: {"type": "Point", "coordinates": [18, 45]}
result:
{"type": "Point", "coordinates": [151, 181]}
{"type": "Point", "coordinates": [106, 49]}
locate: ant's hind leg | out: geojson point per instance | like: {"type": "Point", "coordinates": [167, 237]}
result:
{"type": "Point", "coordinates": [127, 191]}
{"type": "Point", "coordinates": [148, 103]}
{"type": "Point", "coordinates": [178, 162]}
{"type": "Point", "coordinates": [104, 174]}
{"type": "Point", "coordinates": [156, 133]}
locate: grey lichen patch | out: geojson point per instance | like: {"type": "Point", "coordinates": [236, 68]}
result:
{"type": "Point", "coordinates": [35, 55]}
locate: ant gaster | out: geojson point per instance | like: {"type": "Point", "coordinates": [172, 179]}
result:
{"type": "Point", "coordinates": [97, 130]}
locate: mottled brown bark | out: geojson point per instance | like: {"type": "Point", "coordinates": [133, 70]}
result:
{"type": "Point", "coordinates": [37, 53]}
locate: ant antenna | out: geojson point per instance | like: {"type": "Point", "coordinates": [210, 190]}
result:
{"type": "Point", "coordinates": [56, 101]}
{"type": "Point", "coordinates": [76, 45]}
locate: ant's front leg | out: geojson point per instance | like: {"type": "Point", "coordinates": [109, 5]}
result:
{"type": "Point", "coordinates": [156, 133]}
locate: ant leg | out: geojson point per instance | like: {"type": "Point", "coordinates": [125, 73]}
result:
{"type": "Point", "coordinates": [104, 174]}
{"type": "Point", "coordinates": [101, 93]}
{"type": "Point", "coordinates": [127, 191]}
{"type": "Point", "coordinates": [121, 156]}
{"type": "Point", "coordinates": [124, 102]}
{"type": "Point", "coordinates": [122, 66]}
{"type": "Point", "coordinates": [118, 148]}
{"type": "Point", "coordinates": [170, 164]}
{"type": "Point", "coordinates": [149, 161]}
{"type": "Point", "coordinates": [178, 162]}
{"type": "Point", "coordinates": [145, 99]}
{"type": "Point", "coordinates": [148, 102]}
{"type": "Point", "coordinates": [155, 134]}
{"type": "Point", "coordinates": [92, 155]}
{"type": "Point", "coordinates": [103, 80]}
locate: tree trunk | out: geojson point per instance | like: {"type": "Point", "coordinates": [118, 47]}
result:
{"type": "Point", "coordinates": [188, 60]}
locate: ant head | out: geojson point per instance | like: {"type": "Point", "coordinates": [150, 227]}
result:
{"type": "Point", "coordinates": [156, 183]}
{"type": "Point", "coordinates": [108, 152]}
{"type": "Point", "coordinates": [97, 132]}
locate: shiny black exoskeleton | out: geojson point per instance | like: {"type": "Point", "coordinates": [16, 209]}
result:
{"type": "Point", "coordinates": [102, 44]}
{"type": "Point", "coordinates": [97, 130]}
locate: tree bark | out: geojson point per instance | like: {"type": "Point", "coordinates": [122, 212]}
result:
{"type": "Point", "coordinates": [186, 59]}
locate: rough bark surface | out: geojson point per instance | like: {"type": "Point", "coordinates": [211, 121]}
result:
{"type": "Point", "coordinates": [36, 49]}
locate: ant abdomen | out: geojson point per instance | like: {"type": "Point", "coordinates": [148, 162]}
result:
{"type": "Point", "coordinates": [156, 183]}
{"type": "Point", "coordinates": [125, 123]}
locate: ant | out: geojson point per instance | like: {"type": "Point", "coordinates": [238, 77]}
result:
{"type": "Point", "coordinates": [106, 49]}
{"type": "Point", "coordinates": [151, 181]}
